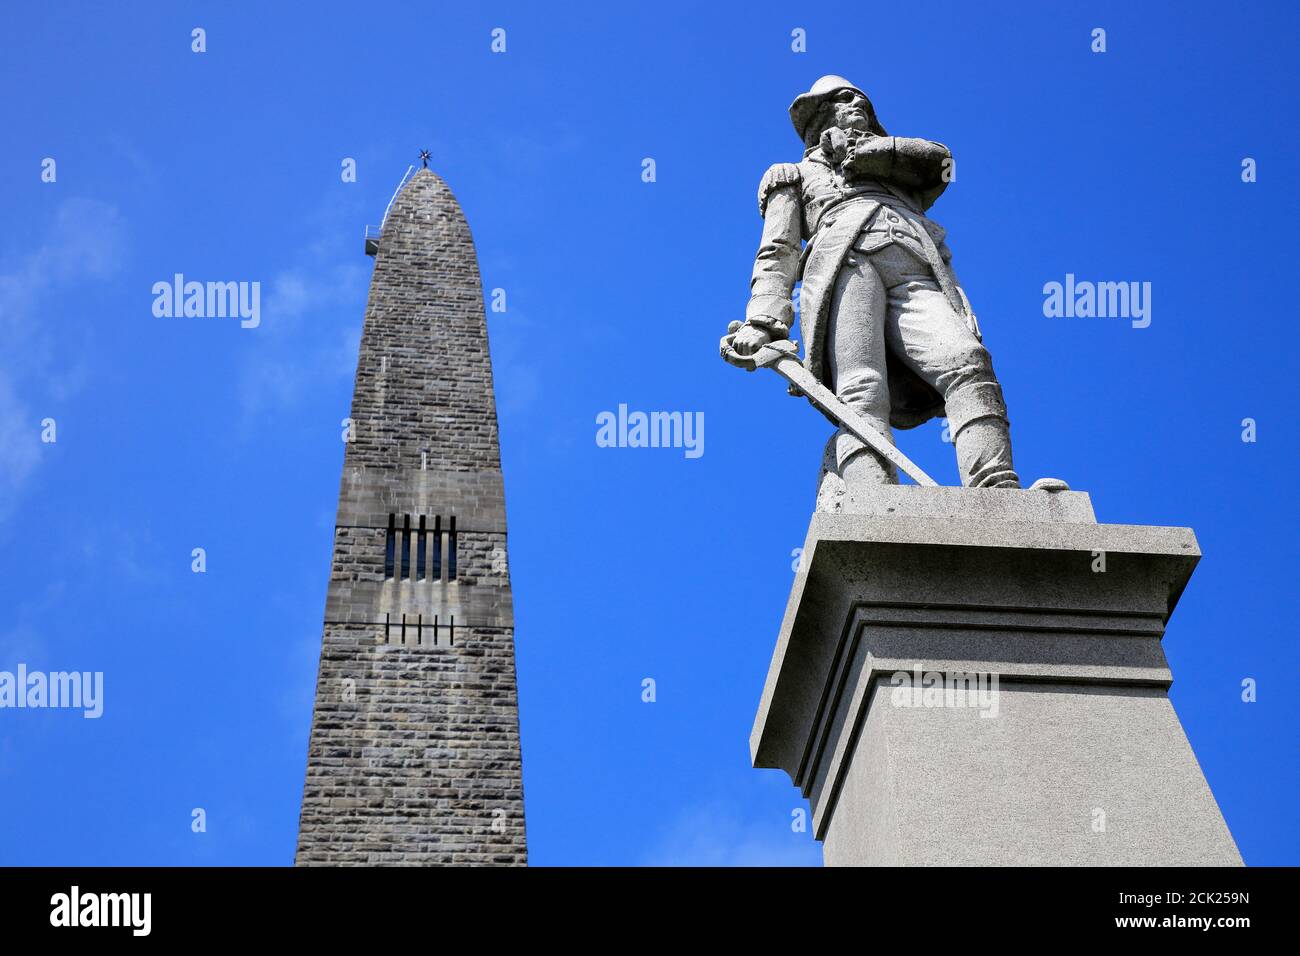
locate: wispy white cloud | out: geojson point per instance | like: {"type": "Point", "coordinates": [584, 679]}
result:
{"type": "Point", "coordinates": [297, 696]}
{"type": "Point", "coordinates": [19, 443]}
{"type": "Point", "coordinates": [24, 638]}
{"type": "Point", "coordinates": [128, 554]}
{"type": "Point", "coordinates": [295, 351]}
{"type": "Point", "coordinates": [85, 241]}
{"type": "Point", "coordinates": [714, 835]}
{"type": "Point", "coordinates": [291, 360]}
{"type": "Point", "coordinates": [514, 370]}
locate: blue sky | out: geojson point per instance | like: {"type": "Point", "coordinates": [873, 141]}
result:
{"type": "Point", "coordinates": [626, 563]}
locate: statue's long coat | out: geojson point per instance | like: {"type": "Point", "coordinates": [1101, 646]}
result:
{"type": "Point", "coordinates": [810, 200]}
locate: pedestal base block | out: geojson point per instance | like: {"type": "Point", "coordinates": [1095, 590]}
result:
{"type": "Point", "coordinates": [952, 685]}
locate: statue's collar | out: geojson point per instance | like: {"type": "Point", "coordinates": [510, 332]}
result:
{"type": "Point", "coordinates": [816, 154]}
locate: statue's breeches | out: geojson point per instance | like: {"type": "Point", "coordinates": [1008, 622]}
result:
{"type": "Point", "coordinates": [886, 299]}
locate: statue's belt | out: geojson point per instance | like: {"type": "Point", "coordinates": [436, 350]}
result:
{"type": "Point", "coordinates": [828, 216]}
{"type": "Point", "coordinates": [887, 200]}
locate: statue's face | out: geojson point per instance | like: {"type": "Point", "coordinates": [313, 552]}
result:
{"type": "Point", "coordinates": [849, 109]}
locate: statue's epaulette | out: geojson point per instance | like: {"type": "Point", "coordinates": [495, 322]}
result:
{"type": "Point", "coordinates": [781, 174]}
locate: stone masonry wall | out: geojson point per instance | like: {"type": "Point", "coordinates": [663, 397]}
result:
{"type": "Point", "coordinates": [414, 753]}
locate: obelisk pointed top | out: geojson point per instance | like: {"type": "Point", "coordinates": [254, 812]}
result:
{"type": "Point", "coordinates": [422, 196]}
{"type": "Point", "coordinates": [425, 198]}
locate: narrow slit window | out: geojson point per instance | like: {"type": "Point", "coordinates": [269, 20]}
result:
{"type": "Point", "coordinates": [388, 549]}
{"type": "Point", "coordinates": [451, 551]}
{"type": "Point", "coordinates": [406, 547]}
{"type": "Point", "coordinates": [419, 552]}
{"type": "Point", "coordinates": [436, 573]}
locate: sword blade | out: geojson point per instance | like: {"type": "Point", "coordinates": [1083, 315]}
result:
{"type": "Point", "coordinates": [788, 366]}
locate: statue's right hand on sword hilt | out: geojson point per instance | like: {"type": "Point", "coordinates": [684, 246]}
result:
{"type": "Point", "coordinates": [727, 349]}
{"type": "Point", "coordinates": [750, 347]}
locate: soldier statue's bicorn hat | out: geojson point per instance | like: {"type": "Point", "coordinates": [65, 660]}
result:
{"type": "Point", "coordinates": [805, 105]}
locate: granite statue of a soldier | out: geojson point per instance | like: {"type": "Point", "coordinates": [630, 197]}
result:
{"type": "Point", "coordinates": [886, 325]}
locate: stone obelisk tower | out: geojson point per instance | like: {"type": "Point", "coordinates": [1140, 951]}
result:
{"type": "Point", "coordinates": [414, 752]}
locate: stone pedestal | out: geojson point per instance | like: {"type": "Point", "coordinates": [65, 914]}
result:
{"type": "Point", "coordinates": [975, 677]}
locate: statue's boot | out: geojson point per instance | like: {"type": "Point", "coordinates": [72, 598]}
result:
{"type": "Point", "coordinates": [977, 417]}
{"type": "Point", "coordinates": [830, 486]}
{"type": "Point", "coordinates": [984, 454]}
{"type": "Point", "coordinates": [865, 471]}
{"type": "Point", "coordinates": [978, 420]}
{"type": "Point", "coordinates": [850, 472]}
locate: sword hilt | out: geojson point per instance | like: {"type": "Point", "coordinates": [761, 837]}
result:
{"type": "Point", "coordinates": [765, 356]}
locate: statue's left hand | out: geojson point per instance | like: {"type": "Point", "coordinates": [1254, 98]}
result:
{"type": "Point", "coordinates": [870, 158]}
